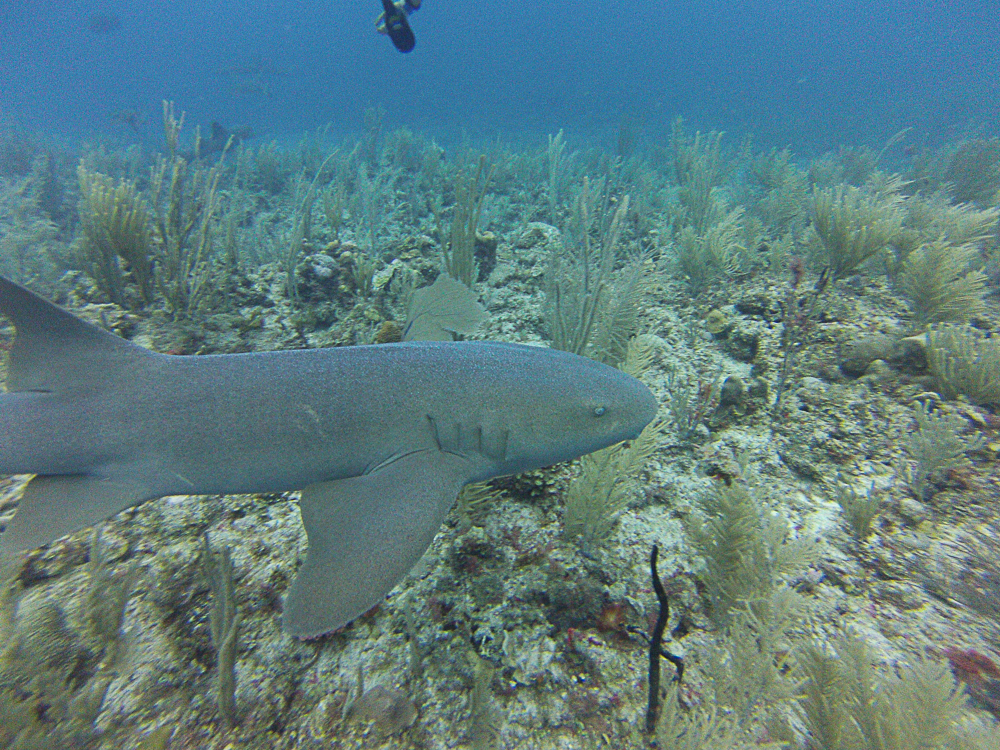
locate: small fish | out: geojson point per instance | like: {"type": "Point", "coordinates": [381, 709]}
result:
{"type": "Point", "coordinates": [103, 24]}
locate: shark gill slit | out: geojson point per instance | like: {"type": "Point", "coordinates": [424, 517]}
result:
{"type": "Point", "coordinates": [391, 460]}
{"type": "Point", "coordinates": [434, 431]}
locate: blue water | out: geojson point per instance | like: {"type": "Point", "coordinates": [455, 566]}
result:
{"type": "Point", "coordinates": [810, 74]}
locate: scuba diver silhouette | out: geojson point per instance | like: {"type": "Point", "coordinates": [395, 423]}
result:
{"type": "Point", "coordinates": [392, 21]}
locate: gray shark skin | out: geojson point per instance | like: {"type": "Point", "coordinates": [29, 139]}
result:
{"type": "Point", "coordinates": [379, 438]}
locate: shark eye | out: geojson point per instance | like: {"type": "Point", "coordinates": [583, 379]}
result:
{"type": "Point", "coordinates": [598, 411]}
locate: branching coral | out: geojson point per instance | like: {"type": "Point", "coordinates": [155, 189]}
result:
{"type": "Point", "coordinates": [185, 202]}
{"type": "Point", "coordinates": [57, 664]}
{"type": "Point", "coordinates": [556, 163]}
{"type": "Point", "coordinates": [224, 622]}
{"type": "Point", "coordinates": [974, 172]}
{"type": "Point", "coordinates": [718, 251]}
{"type": "Point", "coordinates": [783, 193]}
{"type": "Point", "coordinates": [937, 445]}
{"type": "Point", "coordinates": [596, 498]}
{"type": "Point", "coordinates": [745, 549]}
{"type": "Point", "coordinates": [698, 170]}
{"type": "Point", "coordinates": [590, 307]}
{"type": "Point", "coordinates": [459, 252]}
{"type": "Point", "coordinates": [27, 235]}
{"type": "Point", "coordinates": [941, 285]}
{"type": "Point", "coordinates": [964, 362]}
{"type": "Point", "coordinates": [847, 705]}
{"type": "Point", "coordinates": [116, 241]}
{"type": "Point", "coordinates": [854, 224]}
{"type": "Point", "coordinates": [859, 508]}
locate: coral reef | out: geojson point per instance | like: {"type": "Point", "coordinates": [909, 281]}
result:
{"type": "Point", "coordinates": [821, 485]}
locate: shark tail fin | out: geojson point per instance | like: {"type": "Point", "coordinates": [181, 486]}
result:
{"type": "Point", "coordinates": [55, 351]}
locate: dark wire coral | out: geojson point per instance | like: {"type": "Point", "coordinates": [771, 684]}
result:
{"type": "Point", "coordinates": [656, 649]}
{"type": "Point", "coordinates": [798, 321]}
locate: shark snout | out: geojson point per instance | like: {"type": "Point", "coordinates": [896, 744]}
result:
{"type": "Point", "coordinates": [644, 408]}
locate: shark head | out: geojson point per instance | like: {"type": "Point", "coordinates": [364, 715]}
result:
{"type": "Point", "coordinates": [492, 409]}
{"type": "Point", "coordinates": [577, 406]}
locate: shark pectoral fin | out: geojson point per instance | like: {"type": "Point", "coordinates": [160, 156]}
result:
{"type": "Point", "coordinates": [365, 533]}
{"type": "Point", "coordinates": [55, 505]}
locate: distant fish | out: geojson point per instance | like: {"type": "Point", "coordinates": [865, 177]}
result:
{"type": "Point", "coordinates": [258, 69]}
{"type": "Point", "coordinates": [254, 79]}
{"type": "Point", "coordinates": [253, 89]}
{"type": "Point", "coordinates": [129, 117]}
{"type": "Point", "coordinates": [103, 23]}
{"type": "Point", "coordinates": [217, 142]}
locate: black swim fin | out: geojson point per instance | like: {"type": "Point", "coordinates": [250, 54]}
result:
{"type": "Point", "coordinates": [397, 27]}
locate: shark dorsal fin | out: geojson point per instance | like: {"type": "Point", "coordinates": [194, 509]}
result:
{"type": "Point", "coordinates": [55, 351]}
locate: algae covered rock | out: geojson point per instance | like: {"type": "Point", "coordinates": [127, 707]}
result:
{"type": "Point", "coordinates": [742, 343]}
{"type": "Point", "coordinates": [858, 354]}
{"type": "Point", "coordinates": [388, 711]}
{"type": "Point", "coordinates": [759, 305]}
{"type": "Point", "coordinates": [716, 323]}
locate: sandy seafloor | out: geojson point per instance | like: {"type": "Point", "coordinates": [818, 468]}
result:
{"type": "Point", "coordinates": [507, 634]}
